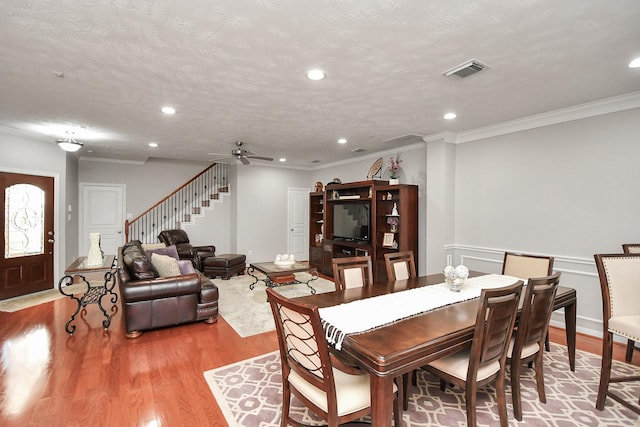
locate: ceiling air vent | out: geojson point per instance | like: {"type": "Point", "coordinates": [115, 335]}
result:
{"type": "Point", "coordinates": [467, 69]}
{"type": "Point", "coordinates": [358, 150]}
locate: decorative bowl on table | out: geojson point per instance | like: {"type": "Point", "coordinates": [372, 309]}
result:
{"type": "Point", "coordinates": [455, 277]}
{"type": "Point", "coordinates": [285, 260]}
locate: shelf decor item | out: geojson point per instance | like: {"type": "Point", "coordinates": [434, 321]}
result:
{"type": "Point", "coordinates": [375, 169]}
{"type": "Point", "coordinates": [393, 222]}
{"type": "Point", "coordinates": [387, 241]}
{"type": "Point", "coordinates": [393, 166]}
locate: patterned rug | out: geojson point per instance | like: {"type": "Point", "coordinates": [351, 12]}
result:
{"type": "Point", "coordinates": [247, 311]}
{"type": "Point", "coordinates": [249, 394]}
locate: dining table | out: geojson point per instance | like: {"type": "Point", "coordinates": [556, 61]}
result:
{"type": "Point", "coordinates": [396, 348]}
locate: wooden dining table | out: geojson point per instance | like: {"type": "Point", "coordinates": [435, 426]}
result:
{"type": "Point", "coordinates": [397, 348]}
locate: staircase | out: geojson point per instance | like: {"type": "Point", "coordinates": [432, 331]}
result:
{"type": "Point", "coordinates": [182, 206]}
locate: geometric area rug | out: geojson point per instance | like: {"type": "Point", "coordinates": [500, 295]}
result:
{"type": "Point", "coordinates": [249, 395]}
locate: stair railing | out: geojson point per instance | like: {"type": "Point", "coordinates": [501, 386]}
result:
{"type": "Point", "coordinates": [179, 206]}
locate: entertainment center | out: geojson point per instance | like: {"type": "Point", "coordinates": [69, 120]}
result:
{"type": "Point", "coordinates": [362, 218]}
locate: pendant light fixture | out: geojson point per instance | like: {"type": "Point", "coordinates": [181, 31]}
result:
{"type": "Point", "coordinates": [69, 143]}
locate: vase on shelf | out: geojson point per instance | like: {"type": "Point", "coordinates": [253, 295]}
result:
{"type": "Point", "coordinates": [394, 181]}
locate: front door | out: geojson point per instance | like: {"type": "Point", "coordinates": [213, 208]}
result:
{"type": "Point", "coordinates": [26, 239]}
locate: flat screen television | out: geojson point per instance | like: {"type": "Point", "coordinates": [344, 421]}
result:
{"type": "Point", "coordinates": [351, 221]}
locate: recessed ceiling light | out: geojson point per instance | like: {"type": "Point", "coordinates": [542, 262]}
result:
{"type": "Point", "coordinates": [635, 63]}
{"type": "Point", "coordinates": [282, 159]}
{"type": "Point", "coordinates": [450, 116]}
{"type": "Point", "coordinates": [316, 75]}
{"type": "Point", "coordinates": [342, 141]}
{"type": "Point", "coordinates": [153, 144]}
{"type": "Point", "coordinates": [168, 110]}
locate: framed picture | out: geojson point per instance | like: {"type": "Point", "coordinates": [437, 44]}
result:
{"type": "Point", "coordinates": [387, 242]}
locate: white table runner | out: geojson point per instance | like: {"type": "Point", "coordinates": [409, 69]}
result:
{"type": "Point", "coordinates": [365, 314]}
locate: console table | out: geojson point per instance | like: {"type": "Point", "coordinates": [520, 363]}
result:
{"type": "Point", "coordinates": [94, 293]}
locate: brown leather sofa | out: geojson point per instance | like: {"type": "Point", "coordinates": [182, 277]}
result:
{"type": "Point", "coordinates": [151, 302]}
{"type": "Point", "coordinates": [185, 249]}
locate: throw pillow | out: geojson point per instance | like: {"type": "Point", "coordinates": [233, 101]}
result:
{"type": "Point", "coordinates": [186, 266]}
{"type": "Point", "coordinates": [165, 250]}
{"type": "Point", "coordinates": [165, 265]}
{"type": "Point", "coordinates": [148, 246]}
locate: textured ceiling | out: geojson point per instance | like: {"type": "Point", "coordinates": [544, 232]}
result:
{"type": "Point", "coordinates": [234, 70]}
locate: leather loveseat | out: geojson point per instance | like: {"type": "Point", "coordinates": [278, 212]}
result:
{"type": "Point", "coordinates": [186, 250]}
{"type": "Point", "coordinates": [151, 302]}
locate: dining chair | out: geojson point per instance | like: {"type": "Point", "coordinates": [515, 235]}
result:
{"type": "Point", "coordinates": [352, 272]}
{"type": "Point", "coordinates": [485, 361]}
{"type": "Point", "coordinates": [527, 342]}
{"type": "Point", "coordinates": [400, 265]}
{"type": "Point", "coordinates": [525, 266]}
{"type": "Point", "coordinates": [630, 248]}
{"type": "Point", "coordinates": [618, 275]}
{"type": "Point", "coordinates": [329, 388]}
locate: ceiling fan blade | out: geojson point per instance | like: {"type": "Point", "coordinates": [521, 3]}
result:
{"type": "Point", "coordinates": [270, 159]}
{"type": "Point", "coordinates": [244, 160]}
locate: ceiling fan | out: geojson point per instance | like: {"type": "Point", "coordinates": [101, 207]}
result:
{"type": "Point", "coordinates": [243, 155]}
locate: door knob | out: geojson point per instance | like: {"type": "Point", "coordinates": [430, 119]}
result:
{"type": "Point", "coordinates": [50, 240]}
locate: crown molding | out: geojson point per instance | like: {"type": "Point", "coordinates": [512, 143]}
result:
{"type": "Point", "coordinates": [581, 111]}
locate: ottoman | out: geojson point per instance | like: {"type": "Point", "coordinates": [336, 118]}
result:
{"type": "Point", "coordinates": [225, 265]}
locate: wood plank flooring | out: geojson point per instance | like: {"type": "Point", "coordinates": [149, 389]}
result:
{"type": "Point", "coordinates": [100, 378]}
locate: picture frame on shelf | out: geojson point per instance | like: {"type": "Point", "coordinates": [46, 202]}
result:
{"type": "Point", "coordinates": [387, 241]}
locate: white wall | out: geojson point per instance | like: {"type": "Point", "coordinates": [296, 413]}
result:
{"type": "Point", "coordinates": [261, 209]}
{"type": "Point", "coordinates": [22, 155]}
{"type": "Point", "coordinates": [568, 190]}
{"type": "Point", "coordinates": [146, 183]}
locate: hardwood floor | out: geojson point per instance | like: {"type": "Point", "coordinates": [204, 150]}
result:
{"type": "Point", "coordinates": [100, 378]}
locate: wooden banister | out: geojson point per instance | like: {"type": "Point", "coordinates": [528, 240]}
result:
{"type": "Point", "coordinates": [180, 203]}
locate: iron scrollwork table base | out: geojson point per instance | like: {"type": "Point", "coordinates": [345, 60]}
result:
{"type": "Point", "coordinates": [273, 271]}
{"type": "Point", "coordinates": [93, 293]}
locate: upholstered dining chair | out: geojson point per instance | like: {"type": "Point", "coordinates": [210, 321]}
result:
{"type": "Point", "coordinates": [485, 361]}
{"type": "Point", "coordinates": [331, 389]}
{"type": "Point", "coordinates": [619, 275]}
{"type": "Point", "coordinates": [525, 266]}
{"type": "Point", "coordinates": [630, 248]}
{"type": "Point", "coordinates": [352, 272]}
{"type": "Point", "coordinates": [400, 265]}
{"type": "Point", "coordinates": [526, 344]}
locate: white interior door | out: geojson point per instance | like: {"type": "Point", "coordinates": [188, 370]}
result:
{"type": "Point", "coordinates": [102, 211]}
{"type": "Point", "coordinates": [298, 223]}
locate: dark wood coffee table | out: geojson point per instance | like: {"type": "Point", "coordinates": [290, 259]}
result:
{"type": "Point", "coordinates": [274, 274]}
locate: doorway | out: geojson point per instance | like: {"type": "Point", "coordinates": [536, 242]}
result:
{"type": "Point", "coordinates": [298, 223]}
{"type": "Point", "coordinates": [102, 208]}
{"type": "Point", "coordinates": [27, 235]}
